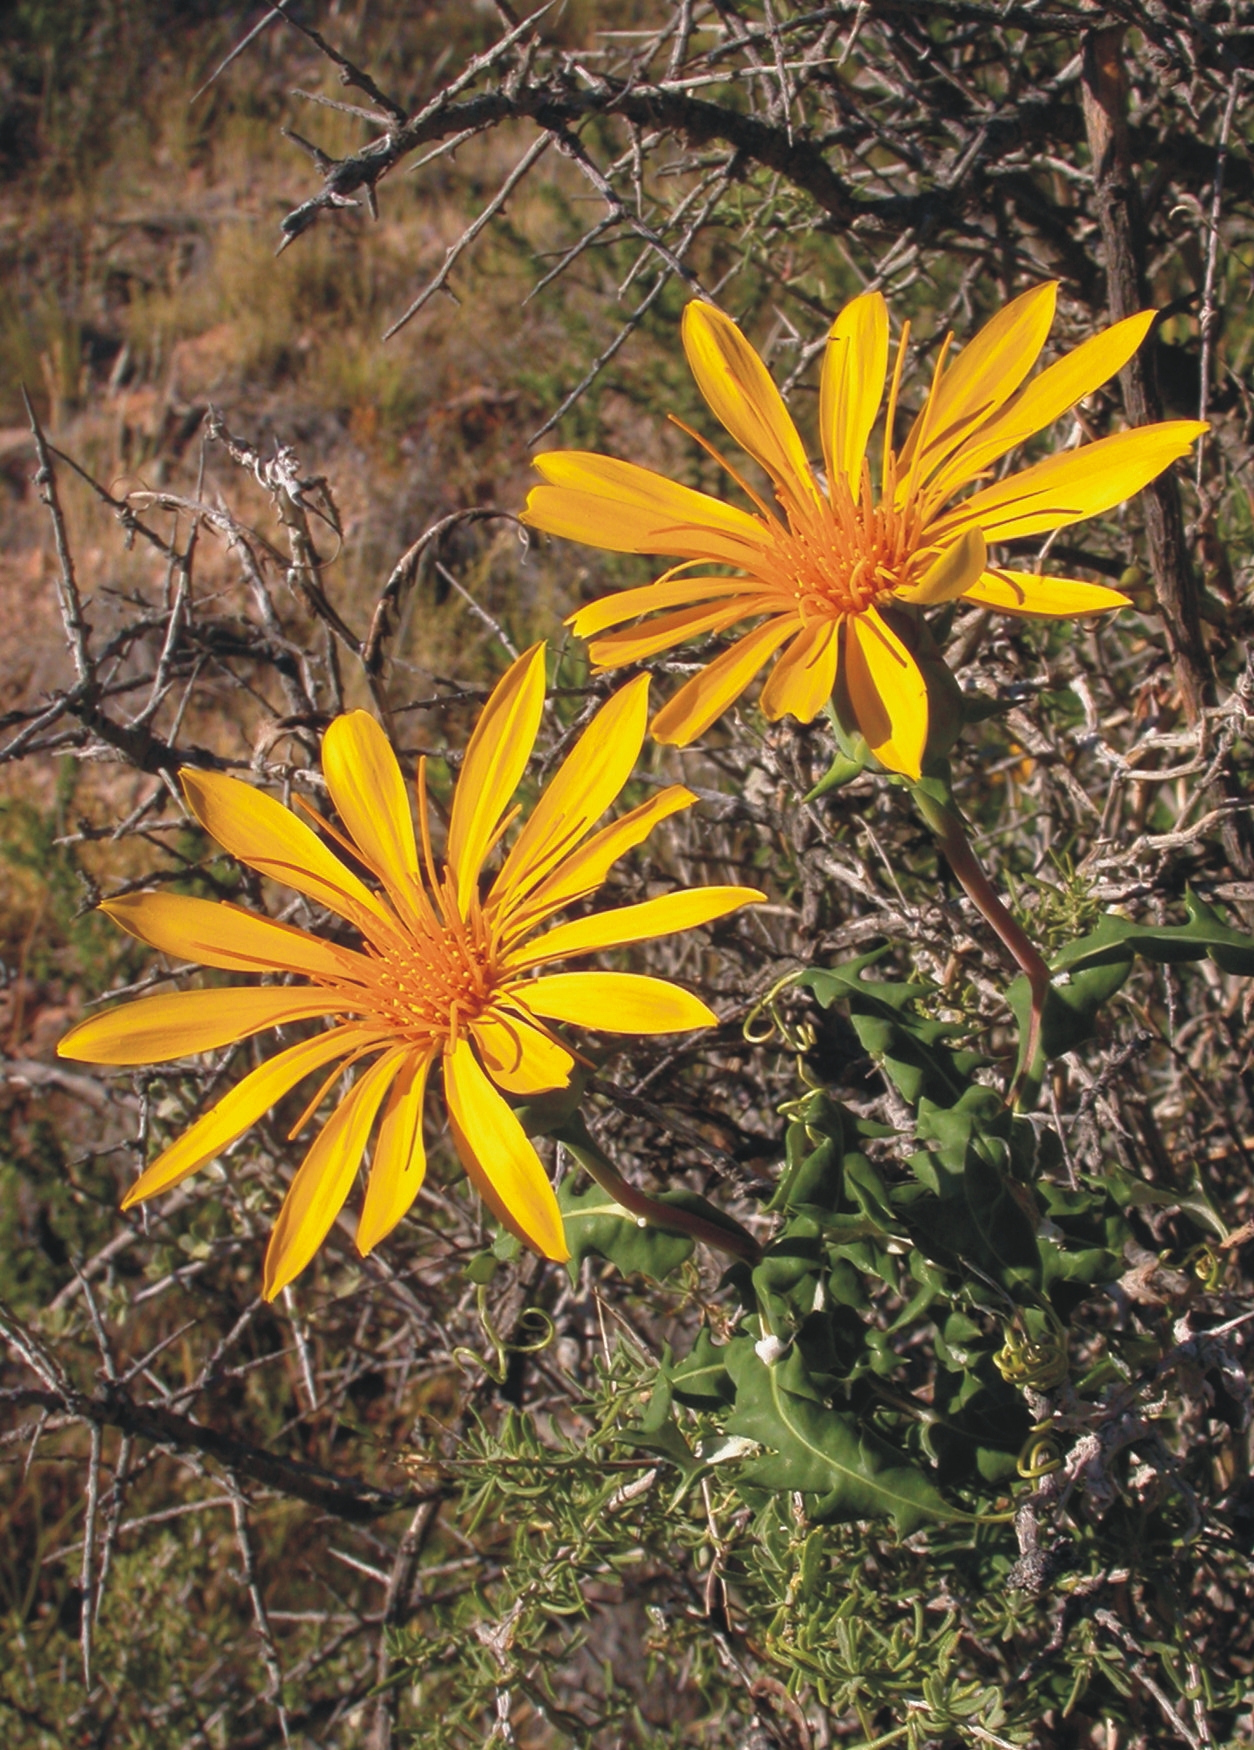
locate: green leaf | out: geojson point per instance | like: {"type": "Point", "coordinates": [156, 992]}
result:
{"type": "Point", "coordinates": [1195, 1203]}
{"type": "Point", "coordinates": [978, 1111]}
{"type": "Point", "coordinates": [831, 983]}
{"type": "Point", "coordinates": [664, 1442]}
{"type": "Point", "coordinates": [812, 1175]}
{"type": "Point", "coordinates": [701, 1379]}
{"type": "Point", "coordinates": [481, 1268]}
{"type": "Point", "coordinates": [824, 1453]}
{"type": "Point", "coordinates": [979, 707]}
{"type": "Point", "coordinates": [1008, 1233]}
{"type": "Point", "coordinates": [868, 1191]}
{"type": "Point", "coordinates": [1087, 1266]}
{"type": "Point", "coordinates": [841, 771]}
{"type": "Point", "coordinates": [791, 1262]}
{"type": "Point", "coordinates": [597, 1226]}
{"type": "Point", "coordinates": [1069, 1018]}
{"type": "Point", "coordinates": [980, 1421]}
{"type": "Point", "coordinates": [1097, 964]}
{"type": "Point", "coordinates": [1205, 934]}
{"type": "Point", "coordinates": [911, 1049]}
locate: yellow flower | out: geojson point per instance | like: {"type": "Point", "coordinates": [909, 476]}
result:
{"type": "Point", "coordinates": [826, 580]}
{"type": "Point", "coordinates": [444, 971]}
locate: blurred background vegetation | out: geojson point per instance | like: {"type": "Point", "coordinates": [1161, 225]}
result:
{"type": "Point", "coordinates": [496, 1586]}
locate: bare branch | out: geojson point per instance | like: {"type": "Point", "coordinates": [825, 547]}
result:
{"type": "Point", "coordinates": [456, 250]}
{"type": "Point", "coordinates": [344, 1497]}
{"type": "Point", "coordinates": [261, 1622]}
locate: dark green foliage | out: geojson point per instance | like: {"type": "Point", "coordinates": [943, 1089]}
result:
{"type": "Point", "coordinates": [959, 1228]}
{"type": "Point", "coordinates": [1091, 969]}
{"type": "Point", "coordinates": [596, 1226]}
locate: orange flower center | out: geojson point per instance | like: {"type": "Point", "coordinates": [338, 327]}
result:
{"type": "Point", "coordinates": [442, 983]}
{"type": "Point", "coordinates": [841, 555]}
{"type": "Point", "coordinates": [429, 978]}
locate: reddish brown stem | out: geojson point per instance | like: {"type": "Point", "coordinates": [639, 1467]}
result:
{"type": "Point", "coordinates": [733, 1239]}
{"type": "Point", "coordinates": [953, 841]}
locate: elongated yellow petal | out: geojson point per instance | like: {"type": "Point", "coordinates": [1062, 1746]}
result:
{"type": "Point", "coordinates": [1081, 483]}
{"type": "Point", "coordinates": [517, 1056]}
{"type": "Point", "coordinates": [667, 592]}
{"type": "Point", "coordinates": [1043, 400]}
{"type": "Point", "coordinates": [181, 1023]}
{"type": "Point", "coordinates": [269, 838]}
{"type": "Point", "coordinates": [952, 574]}
{"type": "Point", "coordinates": [740, 392]}
{"type": "Point", "coordinates": [236, 1112]}
{"type": "Point", "coordinates": [627, 509]}
{"type": "Point", "coordinates": [707, 695]}
{"type": "Point", "coordinates": [887, 692]}
{"type": "Point", "coordinates": [217, 934]}
{"type": "Point", "coordinates": [583, 872]}
{"type": "Point", "coordinates": [585, 784]}
{"type": "Point", "coordinates": [852, 386]}
{"type": "Point", "coordinates": [325, 1176]}
{"type": "Point", "coordinates": [400, 1159]}
{"type": "Point", "coordinates": [636, 643]}
{"type": "Point", "coordinates": [633, 923]}
{"type": "Point", "coordinates": [1022, 592]}
{"type": "Point", "coordinates": [369, 794]}
{"type": "Point", "coordinates": [984, 376]}
{"type": "Point", "coordinates": [498, 1158]}
{"type": "Point", "coordinates": [801, 682]}
{"type": "Point", "coordinates": [494, 762]}
{"type": "Point", "coordinates": [617, 1002]}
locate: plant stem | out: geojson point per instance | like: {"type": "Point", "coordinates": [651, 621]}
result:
{"type": "Point", "coordinates": [732, 1238]}
{"type": "Point", "coordinates": [951, 836]}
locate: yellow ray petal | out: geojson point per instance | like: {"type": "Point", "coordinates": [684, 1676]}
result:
{"type": "Point", "coordinates": [498, 1158]}
{"type": "Point", "coordinates": [887, 693]}
{"type": "Point", "coordinates": [617, 1002]}
{"type": "Point", "coordinates": [517, 1056]}
{"type": "Point", "coordinates": [237, 1111]}
{"type": "Point", "coordinates": [707, 695]}
{"type": "Point", "coordinates": [952, 573]}
{"type": "Point", "coordinates": [1043, 400]}
{"type": "Point", "coordinates": [269, 838]}
{"type": "Point", "coordinates": [801, 682]}
{"type": "Point", "coordinates": [581, 874]}
{"type": "Point", "coordinates": [852, 387]}
{"type": "Point", "coordinates": [581, 790]}
{"type": "Point", "coordinates": [740, 392]}
{"type": "Point", "coordinates": [400, 1160]}
{"type": "Point", "coordinates": [667, 592]}
{"type": "Point", "coordinates": [369, 794]}
{"type": "Point", "coordinates": [494, 762]}
{"type": "Point", "coordinates": [325, 1176]}
{"type": "Point", "coordinates": [1066, 488]}
{"type": "Point", "coordinates": [636, 643]}
{"type": "Point", "coordinates": [627, 509]}
{"type": "Point", "coordinates": [181, 1023]}
{"type": "Point", "coordinates": [632, 923]}
{"type": "Point", "coordinates": [217, 934]}
{"type": "Point", "coordinates": [1021, 592]}
{"type": "Point", "coordinates": [984, 376]}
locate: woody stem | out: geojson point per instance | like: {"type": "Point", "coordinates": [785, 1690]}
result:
{"type": "Point", "coordinates": [951, 836]}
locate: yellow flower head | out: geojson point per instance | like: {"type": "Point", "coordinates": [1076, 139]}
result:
{"type": "Point", "coordinates": [825, 579]}
{"type": "Point", "coordinates": [444, 970]}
